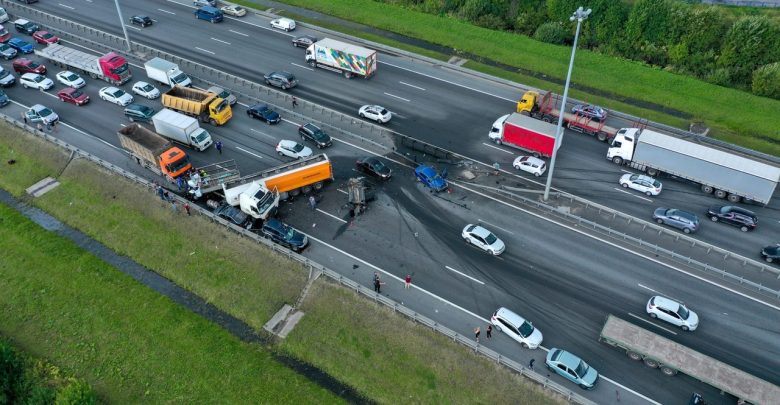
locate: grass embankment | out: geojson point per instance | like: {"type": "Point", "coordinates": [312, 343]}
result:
{"type": "Point", "coordinates": [734, 115]}
{"type": "Point", "coordinates": [381, 354]}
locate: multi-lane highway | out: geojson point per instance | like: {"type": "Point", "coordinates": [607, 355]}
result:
{"type": "Point", "coordinates": [563, 281]}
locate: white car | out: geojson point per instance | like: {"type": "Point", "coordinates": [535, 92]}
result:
{"type": "Point", "coordinates": [516, 327]}
{"type": "Point", "coordinates": [673, 312]}
{"type": "Point", "coordinates": [374, 112]}
{"type": "Point", "coordinates": [115, 95]}
{"type": "Point", "coordinates": [234, 10]}
{"type": "Point", "coordinates": [292, 149]}
{"type": "Point", "coordinates": [145, 89]}
{"type": "Point", "coordinates": [483, 239]}
{"type": "Point", "coordinates": [36, 81]}
{"type": "Point", "coordinates": [640, 182]}
{"type": "Point", "coordinates": [530, 164]}
{"type": "Point", "coordinates": [283, 24]}
{"type": "Point", "coordinates": [70, 79]}
{"type": "Point", "coordinates": [40, 113]}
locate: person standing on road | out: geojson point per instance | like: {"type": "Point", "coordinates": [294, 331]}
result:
{"type": "Point", "coordinates": [476, 333]}
{"type": "Point", "coordinates": [187, 208]}
{"type": "Point", "coordinates": [294, 102]}
{"type": "Point", "coordinates": [377, 285]}
{"type": "Point", "coordinates": [489, 331]}
{"type": "Point", "coordinates": [312, 203]}
{"type": "Point", "coordinates": [218, 145]}
{"type": "Point", "coordinates": [408, 281]}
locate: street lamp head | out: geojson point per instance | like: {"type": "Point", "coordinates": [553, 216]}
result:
{"type": "Point", "coordinates": [580, 15]}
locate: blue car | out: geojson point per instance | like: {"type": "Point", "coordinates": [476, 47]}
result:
{"type": "Point", "coordinates": [430, 178]}
{"type": "Point", "coordinates": [572, 368]}
{"type": "Point", "coordinates": [21, 45]}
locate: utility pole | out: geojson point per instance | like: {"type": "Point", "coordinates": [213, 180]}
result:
{"type": "Point", "coordinates": [122, 24]}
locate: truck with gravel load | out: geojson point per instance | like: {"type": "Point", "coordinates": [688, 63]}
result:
{"type": "Point", "coordinates": [718, 168]}
{"type": "Point", "coordinates": [347, 59]}
{"type": "Point", "coordinates": [154, 152]}
{"type": "Point", "coordinates": [110, 67]}
{"type": "Point", "coordinates": [181, 128]}
{"type": "Point", "coordinates": [205, 106]}
{"type": "Point", "coordinates": [671, 357]}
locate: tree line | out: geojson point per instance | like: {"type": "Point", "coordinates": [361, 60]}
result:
{"type": "Point", "coordinates": [679, 36]}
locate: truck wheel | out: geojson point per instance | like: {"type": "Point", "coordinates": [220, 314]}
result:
{"type": "Point", "coordinates": [313, 64]}
{"type": "Point", "coordinates": [651, 363]}
{"type": "Point", "coordinates": [498, 142]}
{"type": "Point", "coordinates": [537, 155]}
{"type": "Point", "coordinates": [306, 189]}
{"type": "Point", "coordinates": [734, 198]}
{"type": "Point", "coordinates": [526, 113]}
{"type": "Point", "coordinates": [652, 172]}
{"type": "Point", "coordinates": [602, 137]}
{"type": "Point", "coordinates": [634, 355]}
{"type": "Point", "coordinates": [348, 75]}
{"type": "Point", "coordinates": [318, 186]}
{"type": "Point", "coordinates": [720, 194]}
{"type": "Point", "coordinates": [670, 372]}
{"type": "Point", "coordinates": [617, 160]}
{"type": "Point", "coordinates": [546, 119]}
{"type": "Point", "coordinates": [707, 189]}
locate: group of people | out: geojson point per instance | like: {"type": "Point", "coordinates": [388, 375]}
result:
{"type": "Point", "coordinates": [378, 283]}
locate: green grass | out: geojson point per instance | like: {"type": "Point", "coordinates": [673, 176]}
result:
{"type": "Point", "coordinates": [132, 344]}
{"type": "Point", "coordinates": [733, 114]}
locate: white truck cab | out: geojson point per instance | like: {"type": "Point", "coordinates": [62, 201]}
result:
{"type": "Point", "coordinates": [253, 198]}
{"type": "Point", "coordinates": [497, 130]}
{"type": "Point", "coordinates": [622, 149]}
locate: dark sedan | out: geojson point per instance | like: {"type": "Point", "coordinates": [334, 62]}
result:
{"type": "Point", "coordinates": [593, 112]}
{"type": "Point", "coordinates": [234, 215]}
{"type": "Point", "coordinates": [73, 96]}
{"type": "Point", "coordinates": [283, 234]}
{"type": "Point", "coordinates": [743, 219]}
{"type": "Point", "coordinates": [142, 20]}
{"type": "Point", "coordinates": [771, 253]}
{"type": "Point", "coordinates": [304, 41]}
{"type": "Point", "coordinates": [263, 113]}
{"type": "Point", "coordinates": [375, 167]}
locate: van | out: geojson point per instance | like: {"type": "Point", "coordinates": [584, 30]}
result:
{"type": "Point", "coordinates": [283, 24]}
{"type": "Point", "coordinates": [208, 13]}
{"type": "Point", "coordinates": [27, 27]}
{"type": "Point", "coordinates": [516, 327]}
{"type": "Point", "coordinates": [201, 3]}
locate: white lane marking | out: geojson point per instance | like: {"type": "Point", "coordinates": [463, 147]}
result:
{"type": "Point", "coordinates": [495, 226]}
{"type": "Point", "coordinates": [400, 98]}
{"type": "Point", "coordinates": [647, 288]}
{"type": "Point", "coordinates": [219, 40]}
{"type": "Point", "coordinates": [629, 390]}
{"type": "Point", "coordinates": [342, 191]}
{"type": "Point", "coordinates": [66, 6]}
{"type": "Point", "coordinates": [239, 33]}
{"type": "Point", "coordinates": [133, 27]}
{"type": "Point", "coordinates": [262, 133]}
{"type": "Point", "coordinates": [448, 82]}
{"type": "Point", "coordinates": [166, 11]}
{"type": "Point", "coordinates": [651, 323]}
{"type": "Point", "coordinates": [411, 85]}
{"type": "Point", "coordinates": [633, 195]}
{"type": "Point", "coordinates": [246, 151]}
{"type": "Point", "coordinates": [332, 216]}
{"type": "Point", "coordinates": [497, 148]}
{"type": "Point", "coordinates": [626, 171]}
{"type": "Point", "coordinates": [464, 275]}
{"type": "Point", "coordinates": [205, 50]}
{"type": "Point", "coordinates": [301, 66]}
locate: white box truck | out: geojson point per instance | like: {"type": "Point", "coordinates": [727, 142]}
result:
{"type": "Point", "coordinates": [167, 73]}
{"type": "Point", "coordinates": [182, 129]}
{"type": "Point", "coordinates": [347, 59]}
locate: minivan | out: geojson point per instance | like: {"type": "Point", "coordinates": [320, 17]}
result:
{"type": "Point", "coordinates": [27, 27]}
{"type": "Point", "coordinates": [208, 13]}
{"type": "Point", "coordinates": [516, 327]}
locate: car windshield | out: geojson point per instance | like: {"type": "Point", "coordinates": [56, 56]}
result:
{"type": "Point", "coordinates": [120, 69]}
{"type": "Point", "coordinates": [201, 136]}
{"type": "Point", "coordinates": [118, 93]}
{"type": "Point", "coordinates": [76, 94]}
{"type": "Point", "coordinates": [147, 88]}
{"type": "Point", "coordinates": [71, 77]}
{"type": "Point", "coordinates": [47, 35]}
{"type": "Point", "coordinates": [289, 232]}
{"type": "Point", "coordinates": [491, 239]}
{"type": "Point", "coordinates": [34, 65]}
{"type": "Point", "coordinates": [38, 78]}
{"type": "Point", "coordinates": [656, 184]}
{"type": "Point", "coordinates": [3, 47]}
{"type": "Point", "coordinates": [526, 329]}
{"type": "Point", "coordinates": [221, 106]}
{"type": "Point", "coordinates": [378, 165]}
{"type": "Point", "coordinates": [297, 148]}
{"type": "Point", "coordinates": [44, 112]}
{"type": "Point", "coordinates": [725, 210]}
{"type": "Point", "coordinates": [224, 94]}
{"type": "Point", "coordinates": [180, 164]}
{"type": "Point", "coordinates": [582, 369]}
{"type": "Point", "coordinates": [683, 312]}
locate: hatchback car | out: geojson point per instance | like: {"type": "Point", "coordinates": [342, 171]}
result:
{"type": "Point", "coordinates": [3, 15]}
{"type": "Point", "coordinates": [430, 178]}
{"type": "Point", "coordinates": [142, 20]}
{"type": "Point", "coordinates": [283, 24]}
{"type": "Point", "coordinates": [744, 219]}
{"type": "Point", "coordinates": [223, 94]}
{"type": "Point", "coordinates": [115, 95]}
{"type": "Point", "coordinates": [304, 41]}
{"type": "Point", "coordinates": [283, 80]}
{"type": "Point", "coordinates": [233, 215]}
{"type": "Point", "coordinates": [45, 38]}
{"type": "Point", "coordinates": [376, 113]}
{"type": "Point", "coordinates": [771, 253]}
{"type": "Point", "coordinates": [7, 52]}
{"type": "Point", "coordinates": [530, 164]}
{"type": "Point", "coordinates": [572, 368]}
{"type": "Point", "coordinates": [139, 112]}
{"type": "Point", "coordinates": [70, 79]}
{"type": "Point", "coordinates": [516, 327]}
{"type": "Point", "coordinates": [283, 234]}
{"type": "Point", "coordinates": [313, 133]}
{"type": "Point", "coordinates": [374, 167]}
{"type": "Point", "coordinates": [292, 149]}
{"type": "Point", "coordinates": [686, 221]}
{"type": "Point", "coordinates": [73, 96]}
{"type": "Point", "coordinates": [480, 237]}
{"type": "Point", "coordinates": [42, 114]}
{"type": "Point", "coordinates": [263, 113]}
{"type": "Point", "coordinates": [234, 10]}
{"type": "Point", "coordinates": [24, 65]}
{"type": "Point", "coordinates": [593, 112]}
{"type": "Point", "coordinates": [146, 90]}
{"type": "Point", "coordinates": [640, 182]}
{"type": "Point", "coordinates": [21, 45]}
{"type": "Point", "coordinates": [36, 81]}
{"type": "Point", "coordinates": [673, 312]}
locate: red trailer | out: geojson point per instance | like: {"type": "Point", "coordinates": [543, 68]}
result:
{"type": "Point", "coordinates": [526, 133]}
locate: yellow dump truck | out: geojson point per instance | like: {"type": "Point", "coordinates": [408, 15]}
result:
{"type": "Point", "coordinates": [201, 104]}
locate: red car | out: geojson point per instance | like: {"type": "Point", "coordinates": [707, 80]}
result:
{"type": "Point", "coordinates": [4, 34]}
{"type": "Point", "coordinates": [24, 65]}
{"type": "Point", "coordinates": [73, 96]}
{"type": "Point", "coordinates": [45, 37]}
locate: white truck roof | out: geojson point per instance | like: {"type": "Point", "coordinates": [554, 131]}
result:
{"type": "Point", "coordinates": [345, 47]}
{"type": "Point", "coordinates": [174, 118]}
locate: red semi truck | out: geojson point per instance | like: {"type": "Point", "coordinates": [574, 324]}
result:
{"type": "Point", "coordinates": [524, 132]}
{"type": "Point", "coordinates": [110, 67]}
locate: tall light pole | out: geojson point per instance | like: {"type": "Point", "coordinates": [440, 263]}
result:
{"type": "Point", "coordinates": [580, 15]}
{"type": "Point", "coordinates": [122, 24]}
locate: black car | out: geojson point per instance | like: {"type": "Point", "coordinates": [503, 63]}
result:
{"type": "Point", "coordinates": [771, 253]}
{"type": "Point", "coordinates": [262, 112]}
{"type": "Point", "coordinates": [3, 99]}
{"type": "Point", "coordinates": [139, 112]}
{"type": "Point", "coordinates": [374, 167]}
{"type": "Point", "coordinates": [142, 20]}
{"type": "Point", "coordinates": [729, 214]}
{"type": "Point", "coordinates": [283, 80]}
{"type": "Point", "coordinates": [304, 41]}
{"type": "Point", "coordinates": [234, 215]}
{"type": "Point", "coordinates": [283, 234]}
{"type": "Point", "coordinates": [25, 26]}
{"type": "Point", "coordinates": [311, 132]}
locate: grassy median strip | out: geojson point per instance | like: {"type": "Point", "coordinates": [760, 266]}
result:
{"type": "Point", "coordinates": [133, 345]}
{"type": "Point", "coordinates": [725, 109]}
{"type": "Point", "coordinates": [380, 354]}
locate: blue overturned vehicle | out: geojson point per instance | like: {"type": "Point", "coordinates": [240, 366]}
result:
{"type": "Point", "coordinates": [430, 178]}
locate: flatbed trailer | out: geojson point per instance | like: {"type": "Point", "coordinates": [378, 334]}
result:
{"type": "Point", "coordinates": [546, 109]}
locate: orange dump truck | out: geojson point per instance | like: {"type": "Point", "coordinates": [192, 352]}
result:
{"type": "Point", "coordinates": [154, 152]}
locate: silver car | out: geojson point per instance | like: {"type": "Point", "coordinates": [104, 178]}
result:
{"type": "Point", "coordinates": [673, 312]}
{"type": "Point", "coordinates": [684, 220]}
{"type": "Point", "coordinates": [223, 94]}
{"type": "Point", "coordinates": [7, 52]}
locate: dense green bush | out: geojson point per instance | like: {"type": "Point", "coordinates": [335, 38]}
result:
{"type": "Point", "coordinates": [77, 392]}
{"type": "Point", "coordinates": [552, 33]}
{"type": "Point", "coordinates": [766, 80]}
{"type": "Point", "coordinates": [11, 374]}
